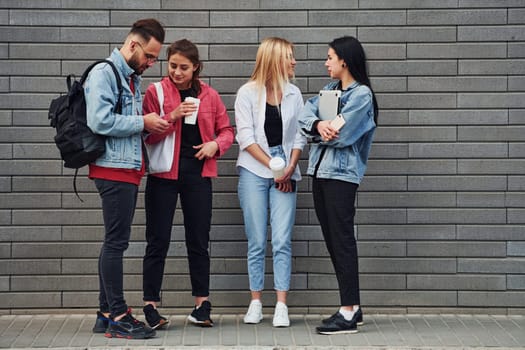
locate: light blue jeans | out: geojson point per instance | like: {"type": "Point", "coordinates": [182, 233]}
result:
{"type": "Point", "coordinates": [256, 195]}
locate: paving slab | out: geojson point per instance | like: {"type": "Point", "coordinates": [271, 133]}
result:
{"type": "Point", "coordinates": [380, 332]}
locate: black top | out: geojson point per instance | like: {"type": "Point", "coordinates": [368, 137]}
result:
{"type": "Point", "coordinates": [273, 125]}
{"type": "Point", "coordinates": [190, 133]}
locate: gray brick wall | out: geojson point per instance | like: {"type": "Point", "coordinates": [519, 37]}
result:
{"type": "Point", "coordinates": [440, 217]}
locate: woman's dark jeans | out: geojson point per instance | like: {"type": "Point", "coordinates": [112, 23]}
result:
{"type": "Point", "coordinates": [196, 201]}
{"type": "Point", "coordinates": [334, 205]}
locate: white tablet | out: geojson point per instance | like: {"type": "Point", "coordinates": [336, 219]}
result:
{"type": "Point", "coordinates": [329, 104]}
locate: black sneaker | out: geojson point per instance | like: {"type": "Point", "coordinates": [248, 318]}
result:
{"type": "Point", "coordinates": [358, 318]}
{"type": "Point", "coordinates": [101, 323]}
{"type": "Point", "coordinates": [154, 319]}
{"type": "Point", "coordinates": [129, 327]}
{"type": "Point", "coordinates": [338, 325]}
{"type": "Point", "coordinates": [200, 316]}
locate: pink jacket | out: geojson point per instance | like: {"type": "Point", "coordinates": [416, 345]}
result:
{"type": "Point", "coordinates": [213, 121]}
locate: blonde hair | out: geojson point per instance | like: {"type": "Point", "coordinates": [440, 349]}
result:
{"type": "Point", "coordinates": [271, 65]}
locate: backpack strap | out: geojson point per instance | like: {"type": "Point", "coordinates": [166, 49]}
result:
{"type": "Point", "coordinates": [118, 105]}
{"type": "Point", "coordinates": [75, 185]}
{"type": "Point", "coordinates": [116, 109]}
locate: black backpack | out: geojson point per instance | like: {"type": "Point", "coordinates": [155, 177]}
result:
{"type": "Point", "coordinates": [78, 145]}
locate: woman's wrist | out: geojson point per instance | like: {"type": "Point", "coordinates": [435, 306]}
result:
{"type": "Point", "coordinates": [172, 115]}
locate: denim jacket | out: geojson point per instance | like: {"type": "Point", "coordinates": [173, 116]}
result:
{"type": "Point", "coordinates": [345, 157]}
{"type": "Point", "coordinates": [123, 131]}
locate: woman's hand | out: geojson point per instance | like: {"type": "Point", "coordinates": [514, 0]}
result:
{"type": "Point", "coordinates": [184, 110]}
{"type": "Point", "coordinates": [206, 150]}
{"type": "Point", "coordinates": [284, 183]}
{"type": "Point", "coordinates": [284, 186]}
{"type": "Point", "coordinates": [326, 131]}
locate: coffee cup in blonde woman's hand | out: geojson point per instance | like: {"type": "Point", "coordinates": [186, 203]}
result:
{"type": "Point", "coordinates": [277, 164]}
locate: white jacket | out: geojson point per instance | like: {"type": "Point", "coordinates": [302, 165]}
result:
{"type": "Point", "coordinates": [250, 108]}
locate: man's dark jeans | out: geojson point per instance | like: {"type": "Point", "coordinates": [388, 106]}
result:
{"type": "Point", "coordinates": [118, 206]}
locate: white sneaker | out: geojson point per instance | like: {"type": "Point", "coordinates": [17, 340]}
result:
{"type": "Point", "coordinates": [280, 316]}
{"type": "Point", "coordinates": [254, 314]}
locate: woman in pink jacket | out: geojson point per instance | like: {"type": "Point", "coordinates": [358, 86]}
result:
{"type": "Point", "coordinates": [196, 148]}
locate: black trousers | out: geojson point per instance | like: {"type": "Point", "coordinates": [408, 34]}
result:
{"type": "Point", "coordinates": [196, 201]}
{"type": "Point", "coordinates": [334, 203]}
{"type": "Point", "coordinates": [118, 207]}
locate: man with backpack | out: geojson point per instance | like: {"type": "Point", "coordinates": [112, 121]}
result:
{"type": "Point", "coordinates": [117, 173]}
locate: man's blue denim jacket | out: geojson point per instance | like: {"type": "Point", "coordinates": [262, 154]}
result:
{"type": "Point", "coordinates": [345, 157]}
{"type": "Point", "coordinates": [123, 131]}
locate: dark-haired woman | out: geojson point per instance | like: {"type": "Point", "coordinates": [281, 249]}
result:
{"type": "Point", "coordinates": [337, 163]}
{"type": "Point", "coordinates": [196, 148]}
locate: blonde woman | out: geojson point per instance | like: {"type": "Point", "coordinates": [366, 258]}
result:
{"type": "Point", "coordinates": [266, 115]}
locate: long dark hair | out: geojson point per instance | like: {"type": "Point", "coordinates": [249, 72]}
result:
{"type": "Point", "coordinates": [351, 51]}
{"type": "Point", "coordinates": [188, 49]}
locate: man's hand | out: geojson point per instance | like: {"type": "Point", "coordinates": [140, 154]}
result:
{"type": "Point", "coordinates": [154, 124]}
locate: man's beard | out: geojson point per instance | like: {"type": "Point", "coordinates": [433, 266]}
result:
{"type": "Point", "coordinates": [135, 65]}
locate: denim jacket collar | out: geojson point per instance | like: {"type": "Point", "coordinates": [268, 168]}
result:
{"type": "Point", "coordinates": [337, 85]}
{"type": "Point", "coordinates": [123, 66]}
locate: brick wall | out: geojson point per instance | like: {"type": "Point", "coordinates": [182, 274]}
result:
{"type": "Point", "coordinates": [441, 218]}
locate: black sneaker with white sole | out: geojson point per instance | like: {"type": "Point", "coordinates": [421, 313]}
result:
{"type": "Point", "coordinates": [128, 327]}
{"type": "Point", "coordinates": [154, 319]}
{"type": "Point", "coordinates": [200, 315]}
{"type": "Point", "coordinates": [358, 317]}
{"type": "Point", "coordinates": [338, 325]}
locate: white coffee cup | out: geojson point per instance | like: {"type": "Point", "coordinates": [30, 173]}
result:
{"type": "Point", "coordinates": [277, 164]}
{"type": "Point", "coordinates": [192, 119]}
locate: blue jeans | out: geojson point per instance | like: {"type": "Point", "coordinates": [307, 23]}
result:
{"type": "Point", "coordinates": [256, 195]}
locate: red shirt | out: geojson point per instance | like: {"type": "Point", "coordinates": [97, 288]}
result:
{"type": "Point", "coordinates": [117, 174]}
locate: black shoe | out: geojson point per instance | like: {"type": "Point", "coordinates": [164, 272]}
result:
{"type": "Point", "coordinates": [129, 327]}
{"type": "Point", "coordinates": [338, 325]}
{"type": "Point", "coordinates": [154, 319]}
{"type": "Point", "coordinates": [358, 317]}
{"type": "Point", "coordinates": [200, 316]}
{"type": "Point", "coordinates": [101, 323]}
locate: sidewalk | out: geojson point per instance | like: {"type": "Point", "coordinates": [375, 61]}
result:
{"type": "Point", "coordinates": [379, 332]}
